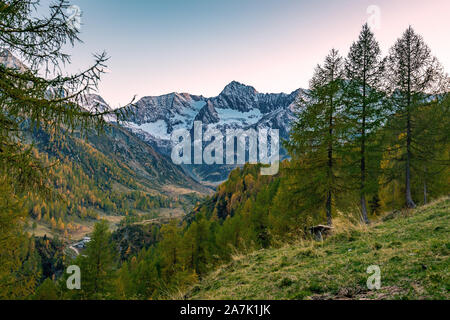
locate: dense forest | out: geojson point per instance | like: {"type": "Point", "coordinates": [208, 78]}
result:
{"type": "Point", "coordinates": [371, 135]}
{"type": "Point", "coordinates": [88, 181]}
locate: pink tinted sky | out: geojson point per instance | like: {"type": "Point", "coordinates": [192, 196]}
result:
{"type": "Point", "coordinates": [199, 46]}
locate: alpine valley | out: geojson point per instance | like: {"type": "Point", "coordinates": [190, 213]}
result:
{"type": "Point", "coordinates": [127, 170]}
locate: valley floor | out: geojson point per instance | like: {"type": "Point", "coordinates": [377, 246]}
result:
{"type": "Point", "coordinates": [412, 250]}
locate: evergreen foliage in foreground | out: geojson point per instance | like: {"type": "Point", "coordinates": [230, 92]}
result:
{"type": "Point", "coordinates": [34, 94]}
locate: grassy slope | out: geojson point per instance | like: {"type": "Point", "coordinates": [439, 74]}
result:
{"type": "Point", "coordinates": [412, 250]}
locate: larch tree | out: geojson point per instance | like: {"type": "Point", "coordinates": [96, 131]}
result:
{"type": "Point", "coordinates": [36, 93]}
{"type": "Point", "coordinates": [364, 69]}
{"type": "Point", "coordinates": [315, 139]}
{"type": "Point", "coordinates": [414, 75]}
{"type": "Point", "coordinates": [431, 162]}
{"type": "Point", "coordinates": [171, 247]}
{"type": "Point", "coordinates": [98, 264]}
{"type": "Point", "coordinates": [34, 90]}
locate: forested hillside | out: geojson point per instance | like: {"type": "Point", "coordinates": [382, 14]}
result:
{"type": "Point", "coordinates": [113, 174]}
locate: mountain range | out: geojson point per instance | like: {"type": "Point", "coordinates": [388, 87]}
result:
{"type": "Point", "coordinates": [238, 106]}
{"type": "Point", "coordinates": [152, 119]}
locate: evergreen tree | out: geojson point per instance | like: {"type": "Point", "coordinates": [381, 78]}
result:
{"type": "Point", "coordinates": [170, 249]}
{"type": "Point", "coordinates": [97, 264]}
{"type": "Point", "coordinates": [431, 161]}
{"type": "Point", "coordinates": [18, 273]}
{"type": "Point", "coordinates": [413, 75]}
{"type": "Point", "coordinates": [34, 93]}
{"type": "Point", "coordinates": [364, 72]}
{"type": "Point", "coordinates": [31, 100]}
{"type": "Point", "coordinates": [316, 136]}
{"type": "Point", "coordinates": [48, 290]}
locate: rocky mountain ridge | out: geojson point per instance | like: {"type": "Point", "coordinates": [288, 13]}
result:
{"type": "Point", "coordinates": [238, 106]}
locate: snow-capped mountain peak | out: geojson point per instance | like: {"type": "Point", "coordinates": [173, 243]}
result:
{"type": "Point", "coordinates": [238, 106]}
{"type": "Point", "coordinates": [235, 88]}
{"type": "Point", "coordinates": [237, 96]}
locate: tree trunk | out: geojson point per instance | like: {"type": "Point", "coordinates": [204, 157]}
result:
{"type": "Point", "coordinates": [330, 164]}
{"type": "Point", "coordinates": [329, 219]}
{"type": "Point", "coordinates": [409, 201]}
{"type": "Point", "coordinates": [425, 199]}
{"type": "Point", "coordinates": [364, 209]}
{"type": "Point", "coordinates": [363, 157]}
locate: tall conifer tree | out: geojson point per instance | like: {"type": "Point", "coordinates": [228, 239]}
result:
{"type": "Point", "coordinates": [364, 69]}
{"type": "Point", "coordinates": [413, 75]}
{"type": "Point", "coordinates": [98, 264]}
{"type": "Point", "coordinates": [315, 136]}
{"type": "Point", "coordinates": [35, 93]}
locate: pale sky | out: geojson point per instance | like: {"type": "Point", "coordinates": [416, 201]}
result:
{"type": "Point", "coordinates": [199, 46]}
